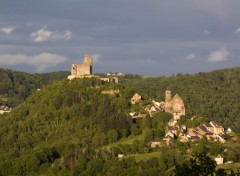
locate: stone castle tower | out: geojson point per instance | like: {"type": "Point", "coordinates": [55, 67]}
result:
{"type": "Point", "coordinates": [175, 105]}
{"type": "Point", "coordinates": [88, 59]}
{"type": "Point", "coordinates": [82, 69]}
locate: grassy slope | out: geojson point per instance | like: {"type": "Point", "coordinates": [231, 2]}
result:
{"type": "Point", "coordinates": [128, 140]}
{"type": "Point", "coordinates": [229, 166]}
{"type": "Point", "coordinates": [145, 156]}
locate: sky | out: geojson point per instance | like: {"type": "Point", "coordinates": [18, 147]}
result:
{"type": "Point", "coordinates": [153, 37]}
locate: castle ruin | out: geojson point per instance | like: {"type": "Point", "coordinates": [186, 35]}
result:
{"type": "Point", "coordinates": [84, 70]}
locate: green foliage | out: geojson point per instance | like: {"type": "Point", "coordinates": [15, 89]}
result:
{"type": "Point", "coordinates": [201, 164]}
{"type": "Point", "coordinates": [66, 120]}
{"type": "Point", "coordinates": [16, 86]}
{"type": "Point", "coordinates": [72, 128]}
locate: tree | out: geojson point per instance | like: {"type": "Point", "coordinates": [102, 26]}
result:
{"type": "Point", "coordinates": [215, 148]}
{"type": "Point", "coordinates": [200, 165]}
{"type": "Point", "coordinates": [112, 136]}
{"type": "Point", "coordinates": [94, 166]}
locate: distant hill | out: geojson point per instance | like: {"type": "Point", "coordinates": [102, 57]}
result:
{"type": "Point", "coordinates": [16, 86]}
{"type": "Point", "coordinates": [214, 95]}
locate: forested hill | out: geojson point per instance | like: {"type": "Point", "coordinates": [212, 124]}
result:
{"type": "Point", "coordinates": [214, 95]}
{"type": "Point", "coordinates": [16, 86]}
{"type": "Point", "coordinates": [66, 119]}
{"type": "Point", "coordinates": [78, 127]}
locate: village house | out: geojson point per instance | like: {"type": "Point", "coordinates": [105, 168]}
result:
{"type": "Point", "coordinates": [136, 98]}
{"type": "Point", "coordinates": [220, 138]}
{"type": "Point", "coordinates": [228, 131]}
{"type": "Point", "coordinates": [172, 122]}
{"type": "Point", "coordinates": [160, 106]}
{"type": "Point", "coordinates": [115, 74]}
{"type": "Point", "coordinates": [5, 109]}
{"type": "Point", "coordinates": [135, 115]}
{"type": "Point", "coordinates": [120, 156]}
{"type": "Point", "coordinates": [173, 131]}
{"type": "Point", "coordinates": [212, 131]}
{"type": "Point", "coordinates": [183, 138]}
{"type": "Point", "coordinates": [219, 159]}
{"type": "Point", "coordinates": [155, 143]}
{"type": "Point", "coordinates": [217, 129]}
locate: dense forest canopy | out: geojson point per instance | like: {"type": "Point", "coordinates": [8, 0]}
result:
{"type": "Point", "coordinates": [59, 117]}
{"type": "Point", "coordinates": [16, 86]}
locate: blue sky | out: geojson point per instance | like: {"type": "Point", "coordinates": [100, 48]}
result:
{"type": "Point", "coordinates": [154, 37]}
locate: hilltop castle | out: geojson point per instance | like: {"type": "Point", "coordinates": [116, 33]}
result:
{"type": "Point", "coordinates": [84, 70]}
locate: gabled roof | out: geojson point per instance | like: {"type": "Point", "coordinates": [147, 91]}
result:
{"type": "Point", "coordinates": [215, 124]}
{"type": "Point", "coordinates": [209, 133]}
{"type": "Point", "coordinates": [208, 125]}
{"type": "Point", "coordinates": [195, 137]}
{"type": "Point", "coordinates": [177, 97]}
{"type": "Point", "coordinates": [203, 128]}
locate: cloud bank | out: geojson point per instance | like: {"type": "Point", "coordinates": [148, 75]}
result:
{"type": "Point", "coordinates": [190, 56]}
{"type": "Point", "coordinates": [219, 55]}
{"type": "Point", "coordinates": [40, 62]}
{"type": "Point", "coordinates": [44, 35]}
{"type": "Point", "coordinates": [237, 30]}
{"type": "Point", "coordinates": [7, 30]}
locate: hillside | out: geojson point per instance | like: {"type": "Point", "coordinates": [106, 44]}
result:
{"type": "Point", "coordinates": [79, 127]}
{"type": "Point", "coordinates": [16, 86]}
{"type": "Point", "coordinates": [214, 95]}
{"type": "Point", "coordinates": [59, 119]}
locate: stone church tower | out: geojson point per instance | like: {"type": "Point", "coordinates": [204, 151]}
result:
{"type": "Point", "coordinates": [168, 98]}
{"type": "Point", "coordinates": [174, 106]}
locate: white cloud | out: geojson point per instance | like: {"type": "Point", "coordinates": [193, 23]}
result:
{"type": "Point", "coordinates": [66, 35]}
{"type": "Point", "coordinates": [96, 58]}
{"type": "Point", "coordinates": [219, 55]}
{"type": "Point", "coordinates": [44, 35]}
{"type": "Point", "coordinates": [7, 30]}
{"type": "Point", "coordinates": [237, 30]}
{"type": "Point", "coordinates": [207, 32]}
{"type": "Point", "coordinates": [190, 56]}
{"type": "Point", "coordinates": [40, 62]}
{"type": "Point", "coordinates": [149, 61]}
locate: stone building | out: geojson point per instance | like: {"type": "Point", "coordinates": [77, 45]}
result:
{"type": "Point", "coordinates": [5, 109]}
{"type": "Point", "coordinates": [174, 106]}
{"type": "Point", "coordinates": [82, 70]}
{"type": "Point", "coordinates": [136, 98]}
